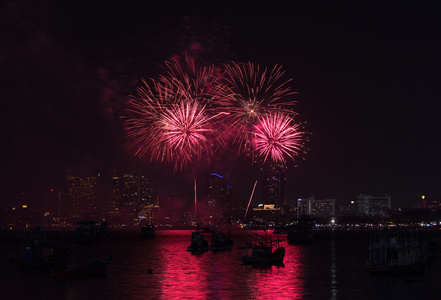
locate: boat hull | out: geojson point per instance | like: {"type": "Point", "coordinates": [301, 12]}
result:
{"type": "Point", "coordinates": [198, 243]}
{"type": "Point", "coordinates": [96, 269]}
{"type": "Point", "coordinates": [274, 258]}
{"type": "Point", "coordinates": [221, 247]}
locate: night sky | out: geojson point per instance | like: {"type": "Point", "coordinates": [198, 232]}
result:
{"type": "Point", "coordinates": [366, 72]}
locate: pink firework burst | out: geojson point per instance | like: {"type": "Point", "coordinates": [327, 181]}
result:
{"type": "Point", "coordinates": [277, 137]}
{"type": "Point", "coordinates": [169, 120]}
{"type": "Point", "coordinates": [184, 130]}
{"type": "Point", "coordinates": [251, 93]}
{"type": "Point", "coordinates": [199, 84]}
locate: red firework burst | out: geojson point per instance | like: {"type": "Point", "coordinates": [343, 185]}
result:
{"type": "Point", "coordinates": [250, 94]}
{"type": "Point", "coordinates": [190, 113]}
{"type": "Point", "coordinates": [277, 137]}
{"type": "Point", "coordinates": [170, 120]}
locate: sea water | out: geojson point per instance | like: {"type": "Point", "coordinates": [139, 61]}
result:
{"type": "Point", "coordinates": [331, 267]}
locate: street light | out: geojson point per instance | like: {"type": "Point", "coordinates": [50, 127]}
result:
{"type": "Point", "coordinates": [59, 206]}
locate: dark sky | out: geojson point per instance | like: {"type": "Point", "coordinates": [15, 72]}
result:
{"type": "Point", "coordinates": [367, 75]}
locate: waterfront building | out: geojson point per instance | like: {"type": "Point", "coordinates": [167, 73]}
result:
{"type": "Point", "coordinates": [318, 208]}
{"type": "Point", "coordinates": [82, 193]}
{"type": "Point", "coordinates": [222, 196]}
{"type": "Point", "coordinates": [131, 194]}
{"type": "Point", "coordinates": [274, 185]}
{"type": "Point", "coordinates": [216, 189]}
{"type": "Point", "coordinates": [434, 205]}
{"type": "Point", "coordinates": [374, 206]}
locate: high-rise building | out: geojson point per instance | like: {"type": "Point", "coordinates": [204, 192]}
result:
{"type": "Point", "coordinates": [274, 185]}
{"type": "Point", "coordinates": [130, 190]}
{"type": "Point", "coordinates": [82, 191]}
{"type": "Point", "coordinates": [323, 208]}
{"type": "Point", "coordinates": [130, 194]}
{"type": "Point", "coordinates": [434, 205]}
{"type": "Point", "coordinates": [368, 205]}
{"type": "Point", "coordinates": [222, 196]}
{"type": "Point", "coordinates": [216, 190]}
{"type": "Point", "coordinates": [232, 208]}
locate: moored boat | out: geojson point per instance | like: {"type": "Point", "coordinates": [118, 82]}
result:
{"type": "Point", "coordinates": [219, 241]}
{"type": "Point", "coordinates": [397, 252]}
{"type": "Point", "coordinates": [40, 252]}
{"type": "Point", "coordinates": [95, 269]}
{"type": "Point", "coordinates": [281, 229]}
{"type": "Point", "coordinates": [198, 243]}
{"type": "Point", "coordinates": [86, 233]}
{"type": "Point", "coordinates": [148, 231]}
{"type": "Point", "coordinates": [301, 231]}
{"type": "Point", "coordinates": [262, 252]}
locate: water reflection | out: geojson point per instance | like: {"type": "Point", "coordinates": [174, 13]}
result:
{"type": "Point", "coordinates": [333, 267]}
{"type": "Point", "coordinates": [183, 274]}
{"type": "Point", "coordinates": [280, 282]}
{"type": "Point", "coordinates": [333, 272]}
{"type": "Point", "coordinates": [220, 275]}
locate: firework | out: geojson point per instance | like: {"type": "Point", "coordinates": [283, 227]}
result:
{"type": "Point", "coordinates": [251, 198]}
{"type": "Point", "coordinates": [250, 94]}
{"type": "Point", "coordinates": [278, 137]}
{"type": "Point", "coordinates": [170, 120]}
{"type": "Point", "coordinates": [189, 113]}
{"type": "Point", "coordinates": [200, 84]}
{"type": "Point", "coordinates": [184, 130]}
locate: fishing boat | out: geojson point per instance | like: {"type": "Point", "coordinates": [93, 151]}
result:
{"type": "Point", "coordinates": [208, 229]}
{"type": "Point", "coordinates": [396, 251]}
{"type": "Point", "coordinates": [95, 269]}
{"type": "Point", "coordinates": [301, 231]}
{"type": "Point", "coordinates": [281, 229]}
{"type": "Point", "coordinates": [103, 230]}
{"type": "Point", "coordinates": [262, 252]}
{"type": "Point", "coordinates": [198, 243]}
{"type": "Point", "coordinates": [220, 242]}
{"type": "Point", "coordinates": [40, 252]}
{"type": "Point", "coordinates": [148, 231]}
{"type": "Point", "coordinates": [86, 233]}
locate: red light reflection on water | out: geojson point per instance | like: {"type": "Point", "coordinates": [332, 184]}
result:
{"type": "Point", "coordinates": [211, 275]}
{"type": "Point", "coordinates": [282, 282]}
{"type": "Point", "coordinates": [184, 275]}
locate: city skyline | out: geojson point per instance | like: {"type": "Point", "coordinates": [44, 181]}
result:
{"type": "Point", "coordinates": [131, 200]}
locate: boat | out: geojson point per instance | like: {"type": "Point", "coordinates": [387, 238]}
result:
{"type": "Point", "coordinates": [281, 229]}
{"type": "Point", "coordinates": [198, 243]}
{"type": "Point", "coordinates": [301, 231]}
{"type": "Point", "coordinates": [396, 252]}
{"type": "Point", "coordinates": [40, 252]}
{"type": "Point", "coordinates": [220, 242]}
{"type": "Point", "coordinates": [262, 252]}
{"type": "Point", "coordinates": [86, 233]}
{"type": "Point", "coordinates": [103, 230]}
{"type": "Point", "coordinates": [95, 269]}
{"type": "Point", "coordinates": [208, 229]}
{"type": "Point", "coordinates": [148, 231]}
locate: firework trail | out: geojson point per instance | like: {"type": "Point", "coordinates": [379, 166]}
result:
{"type": "Point", "coordinates": [251, 197]}
{"type": "Point", "coordinates": [249, 93]}
{"type": "Point", "coordinates": [277, 137]}
{"type": "Point", "coordinates": [195, 199]}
